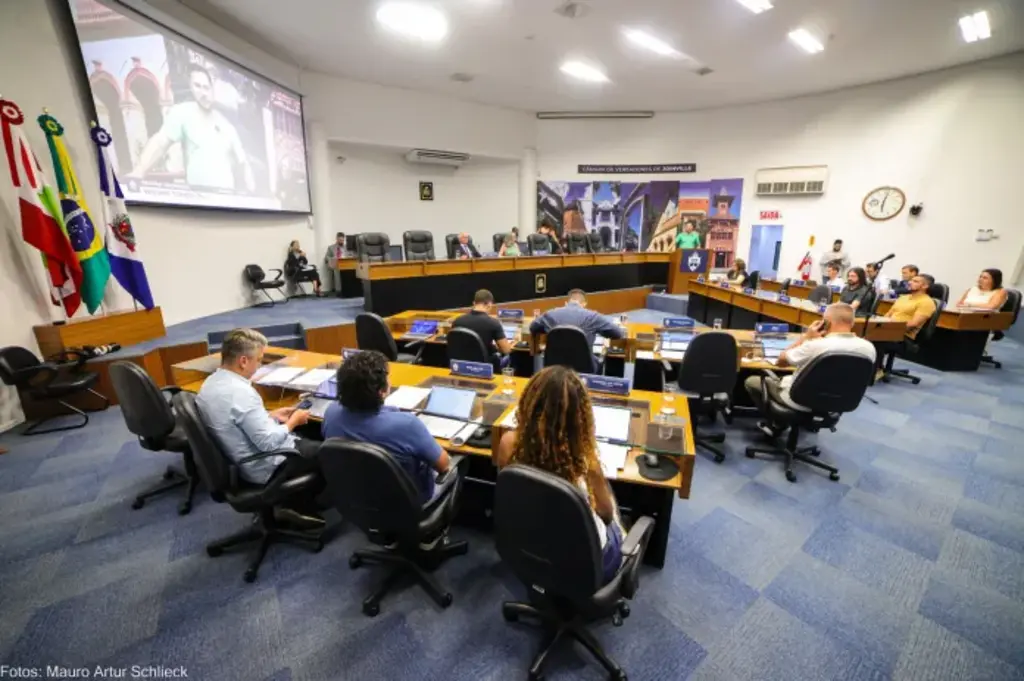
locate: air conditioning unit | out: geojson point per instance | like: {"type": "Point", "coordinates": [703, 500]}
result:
{"type": "Point", "coordinates": [791, 181]}
{"type": "Point", "coordinates": [452, 159]}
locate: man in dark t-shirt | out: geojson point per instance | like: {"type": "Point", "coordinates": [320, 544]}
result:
{"type": "Point", "coordinates": [489, 329]}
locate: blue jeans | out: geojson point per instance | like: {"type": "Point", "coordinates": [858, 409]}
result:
{"type": "Point", "coordinates": [611, 556]}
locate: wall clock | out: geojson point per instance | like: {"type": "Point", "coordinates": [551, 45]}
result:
{"type": "Point", "coordinates": [884, 203]}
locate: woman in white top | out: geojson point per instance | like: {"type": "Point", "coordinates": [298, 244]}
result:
{"type": "Point", "coordinates": [556, 434]}
{"type": "Point", "coordinates": [989, 294]}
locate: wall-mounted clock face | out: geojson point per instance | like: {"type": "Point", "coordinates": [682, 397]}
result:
{"type": "Point", "coordinates": [884, 203]}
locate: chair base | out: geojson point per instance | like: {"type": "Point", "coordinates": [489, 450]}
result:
{"type": "Point", "coordinates": [84, 414]}
{"type": "Point", "coordinates": [557, 629]}
{"type": "Point", "coordinates": [790, 453]}
{"type": "Point", "coordinates": [898, 373]}
{"type": "Point", "coordinates": [705, 442]}
{"type": "Point", "coordinates": [989, 359]}
{"type": "Point", "coordinates": [267, 532]}
{"type": "Point", "coordinates": [404, 566]}
{"type": "Point", "coordinates": [270, 300]}
{"type": "Point", "coordinates": [173, 479]}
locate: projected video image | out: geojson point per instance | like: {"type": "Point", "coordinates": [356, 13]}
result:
{"type": "Point", "coordinates": [189, 127]}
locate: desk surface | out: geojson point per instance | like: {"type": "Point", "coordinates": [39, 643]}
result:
{"type": "Point", "coordinates": [965, 319]}
{"type": "Point", "coordinates": [189, 378]}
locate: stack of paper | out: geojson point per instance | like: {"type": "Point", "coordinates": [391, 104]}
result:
{"type": "Point", "coordinates": [441, 427]}
{"type": "Point", "coordinates": [311, 379]}
{"type": "Point", "coordinates": [613, 457]}
{"type": "Point", "coordinates": [281, 376]}
{"type": "Point", "coordinates": [407, 397]}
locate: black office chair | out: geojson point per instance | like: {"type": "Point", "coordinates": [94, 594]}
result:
{"type": "Point", "coordinates": [498, 239]}
{"type": "Point", "coordinates": [594, 243]}
{"type": "Point", "coordinates": [467, 346]}
{"type": "Point", "coordinates": [577, 243]}
{"type": "Point", "coordinates": [940, 291]}
{"type": "Point", "coordinates": [1012, 304]}
{"type": "Point", "coordinates": [372, 333]}
{"type": "Point", "coordinates": [785, 286]}
{"type": "Point", "coordinates": [49, 380]}
{"type": "Point", "coordinates": [707, 376]}
{"type": "Point", "coordinates": [831, 385]}
{"type": "Point", "coordinates": [545, 533]}
{"type": "Point", "coordinates": [371, 490]}
{"type": "Point", "coordinates": [451, 244]}
{"type": "Point", "coordinates": [419, 245]}
{"type": "Point", "coordinates": [373, 247]}
{"type": "Point", "coordinates": [538, 244]}
{"type": "Point", "coordinates": [149, 416]}
{"type": "Point", "coordinates": [257, 278]}
{"type": "Point", "coordinates": [869, 304]}
{"type": "Point", "coordinates": [223, 479]}
{"type": "Point", "coordinates": [568, 346]}
{"type": "Point", "coordinates": [908, 349]}
{"type": "Point", "coordinates": [820, 295]}
{"type": "Point", "coordinates": [754, 279]}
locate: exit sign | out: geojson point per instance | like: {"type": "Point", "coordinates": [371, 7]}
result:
{"type": "Point", "coordinates": [771, 215]}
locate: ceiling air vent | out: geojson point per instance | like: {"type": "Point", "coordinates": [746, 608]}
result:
{"type": "Point", "coordinates": [792, 181]}
{"type": "Point", "coordinates": [434, 157]}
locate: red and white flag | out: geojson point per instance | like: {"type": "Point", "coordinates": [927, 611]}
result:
{"type": "Point", "coordinates": [42, 221]}
{"type": "Point", "coordinates": [805, 267]}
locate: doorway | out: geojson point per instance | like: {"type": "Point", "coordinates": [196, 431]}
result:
{"type": "Point", "coordinates": [765, 249]}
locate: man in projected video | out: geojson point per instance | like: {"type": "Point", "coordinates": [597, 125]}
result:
{"type": "Point", "coordinates": [210, 143]}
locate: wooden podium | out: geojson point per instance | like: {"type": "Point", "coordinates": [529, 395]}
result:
{"type": "Point", "coordinates": [127, 328]}
{"type": "Point", "coordinates": [680, 273]}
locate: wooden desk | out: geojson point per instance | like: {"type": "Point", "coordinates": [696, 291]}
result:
{"type": "Point", "coordinates": [126, 327]}
{"type": "Point", "coordinates": [636, 495]}
{"type": "Point", "coordinates": [391, 287]}
{"type": "Point", "coordinates": [351, 286]}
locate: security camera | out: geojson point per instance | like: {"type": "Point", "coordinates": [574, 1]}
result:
{"type": "Point", "coordinates": [916, 209]}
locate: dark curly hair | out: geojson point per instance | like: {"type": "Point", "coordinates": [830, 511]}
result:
{"type": "Point", "coordinates": [361, 380]}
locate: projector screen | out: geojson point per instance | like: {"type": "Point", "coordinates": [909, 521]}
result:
{"type": "Point", "coordinates": [189, 127]}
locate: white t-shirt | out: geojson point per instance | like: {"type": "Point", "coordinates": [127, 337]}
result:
{"type": "Point", "coordinates": [210, 143]}
{"type": "Point", "coordinates": [978, 298]}
{"type": "Point", "coordinates": [802, 354]}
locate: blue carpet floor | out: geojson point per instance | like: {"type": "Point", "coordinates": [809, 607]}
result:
{"type": "Point", "coordinates": [910, 567]}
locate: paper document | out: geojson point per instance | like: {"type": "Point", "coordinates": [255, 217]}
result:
{"type": "Point", "coordinates": [612, 423]}
{"type": "Point", "coordinates": [467, 432]}
{"type": "Point", "coordinates": [613, 457]}
{"type": "Point", "coordinates": [644, 354]}
{"type": "Point", "coordinates": [281, 376]}
{"type": "Point", "coordinates": [510, 420]}
{"type": "Point", "coordinates": [407, 397]}
{"type": "Point", "coordinates": [677, 355]}
{"type": "Point", "coordinates": [442, 428]}
{"type": "Point", "coordinates": [312, 379]}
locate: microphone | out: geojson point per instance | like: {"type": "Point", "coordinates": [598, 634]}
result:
{"type": "Point", "coordinates": [878, 264]}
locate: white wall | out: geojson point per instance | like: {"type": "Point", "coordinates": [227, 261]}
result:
{"type": "Point", "coordinates": [376, 190]}
{"type": "Point", "coordinates": [952, 140]}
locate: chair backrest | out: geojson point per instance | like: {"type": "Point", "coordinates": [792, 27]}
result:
{"type": "Point", "coordinates": [498, 239]}
{"type": "Point", "coordinates": [577, 243]}
{"type": "Point", "coordinates": [373, 247]}
{"type": "Point", "coordinates": [545, 533]}
{"type": "Point", "coordinates": [1012, 303]}
{"type": "Point", "coordinates": [451, 243]}
{"type": "Point", "coordinates": [213, 466]}
{"type": "Point", "coordinates": [143, 406]}
{"type": "Point", "coordinates": [372, 333]}
{"type": "Point", "coordinates": [928, 329]}
{"type": "Point", "coordinates": [709, 364]}
{"type": "Point", "coordinates": [254, 274]}
{"type": "Point", "coordinates": [785, 284]}
{"type": "Point", "coordinates": [419, 245]}
{"type": "Point", "coordinates": [594, 243]}
{"type": "Point", "coordinates": [820, 295]}
{"type": "Point", "coordinates": [833, 382]}
{"type": "Point", "coordinates": [371, 489]}
{"type": "Point", "coordinates": [568, 346]}
{"type": "Point", "coordinates": [538, 244]}
{"type": "Point", "coordinates": [940, 291]}
{"type": "Point", "coordinates": [14, 359]}
{"type": "Point", "coordinates": [869, 304]}
{"type": "Point", "coordinates": [466, 345]}
{"type": "Point", "coordinates": [754, 279]}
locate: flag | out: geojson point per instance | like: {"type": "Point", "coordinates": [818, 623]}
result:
{"type": "Point", "coordinates": [42, 223]}
{"type": "Point", "coordinates": [805, 267]}
{"type": "Point", "coordinates": [122, 249]}
{"type": "Point", "coordinates": [86, 241]}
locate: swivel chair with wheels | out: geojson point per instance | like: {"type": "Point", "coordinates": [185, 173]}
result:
{"type": "Point", "coordinates": [373, 247]}
{"type": "Point", "coordinates": [419, 245]}
{"type": "Point", "coordinates": [371, 490]}
{"type": "Point", "coordinates": [568, 346]}
{"type": "Point", "coordinates": [223, 479]}
{"type": "Point", "coordinates": [908, 349]}
{"type": "Point", "coordinates": [538, 244]}
{"type": "Point", "coordinates": [830, 385]}
{"type": "Point", "coordinates": [372, 333]}
{"type": "Point", "coordinates": [257, 278]}
{"type": "Point", "coordinates": [50, 380]}
{"type": "Point", "coordinates": [451, 243]}
{"type": "Point", "coordinates": [706, 378]}
{"type": "Point", "coordinates": [148, 414]}
{"type": "Point", "coordinates": [940, 291]}
{"type": "Point", "coordinates": [594, 243]}
{"type": "Point", "coordinates": [820, 295]}
{"type": "Point", "coordinates": [577, 243]}
{"type": "Point", "coordinates": [545, 533]}
{"type": "Point", "coordinates": [466, 345]}
{"type": "Point", "coordinates": [1012, 304]}
{"type": "Point", "coordinates": [754, 279]}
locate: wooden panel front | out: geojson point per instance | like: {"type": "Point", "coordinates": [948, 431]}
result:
{"type": "Point", "coordinates": [782, 311]}
{"type": "Point", "coordinates": [579, 260]}
{"type": "Point", "coordinates": [494, 264]}
{"type": "Point", "coordinates": [975, 321]}
{"type": "Point", "coordinates": [801, 292]}
{"type": "Point", "coordinates": [347, 264]}
{"type": "Point", "coordinates": [770, 285]}
{"type": "Point", "coordinates": [391, 270]}
{"type": "Point", "coordinates": [718, 293]}
{"type": "Point", "coordinates": [127, 328]}
{"type": "Point", "coordinates": [537, 262]}
{"type": "Point", "coordinates": [331, 339]}
{"type": "Point", "coordinates": [443, 267]}
{"type": "Point", "coordinates": [879, 331]}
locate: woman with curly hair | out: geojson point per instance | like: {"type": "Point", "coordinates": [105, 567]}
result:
{"type": "Point", "coordinates": [556, 435]}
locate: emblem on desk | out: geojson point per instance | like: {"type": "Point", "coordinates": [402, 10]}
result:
{"type": "Point", "coordinates": [693, 260]}
{"type": "Point", "coordinates": [540, 283]}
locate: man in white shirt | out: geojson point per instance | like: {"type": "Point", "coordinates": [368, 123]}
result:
{"type": "Point", "coordinates": [832, 277]}
{"type": "Point", "coordinates": [832, 333]}
{"type": "Point", "coordinates": [880, 284]}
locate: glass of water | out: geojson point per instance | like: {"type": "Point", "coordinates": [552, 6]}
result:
{"type": "Point", "coordinates": [717, 323]}
{"type": "Point", "coordinates": [536, 313]}
{"type": "Point", "coordinates": [668, 400]}
{"type": "Point", "coordinates": [509, 381]}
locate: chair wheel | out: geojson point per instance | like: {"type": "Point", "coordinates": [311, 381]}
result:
{"type": "Point", "coordinates": [184, 508]}
{"type": "Point", "coordinates": [791, 476]}
{"type": "Point", "coordinates": [616, 620]}
{"type": "Point", "coordinates": [916, 381]}
{"type": "Point", "coordinates": [138, 503]}
{"type": "Point", "coordinates": [719, 458]}
{"type": "Point", "coordinates": [815, 452]}
{"type": "Point", "coordinates": [624, 610]}
{"type": "Point", "coordinates": [834, 477]}
{"type": "Point", "coordinates": [250, 575]}
{"type": "Point", "coordinates": [618, 676]}
{"type": "Point", "coordinates": [355, 562]}
{"type": "Point", "coordinates": [446, 600]}
{"type": "Point", "coordinates": [168, 474]}
{"type": "Point", "coordinates": [509, 615]}
{"type": "Point", "coordinates": [536, 677]}
{"type": "Point", "coordinates": [214, 551]}
{"type": "Point", "coordinates": [886, 379]}
{"type": "Point", "coordinates": [750, 453]}
{"type": "Point", "coordinates": [371, 609]}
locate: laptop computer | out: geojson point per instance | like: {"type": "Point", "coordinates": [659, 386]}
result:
{"type": "Point", "coordinates": [511, 330]}
{"type": "Point", "coordinates": [447, 411]}
{"type": "Point", "coordinates": [612, 423]}
{"type": "Point", "coordinates": [676, 341]}
{"type": "Point", "coordinates": [421, 330]}
{"type": "Point", "coordinates": [323, 396]}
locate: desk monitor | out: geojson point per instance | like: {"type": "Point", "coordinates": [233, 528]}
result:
{"type": "Point", "coordinates": [350, 243]}
{"type": "Point", "coordinates": [451, 403]}
{"type": "Point", "coordinates": [612, 423]}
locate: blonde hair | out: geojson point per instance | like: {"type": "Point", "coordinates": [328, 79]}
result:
{"type": "Point", "coordinates": [241, 343]}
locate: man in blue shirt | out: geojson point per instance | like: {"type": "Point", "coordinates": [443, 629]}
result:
{"type": "Point", "coordinates": [361, 415]}
{"type": "Point", "coordinates": [575, 313]}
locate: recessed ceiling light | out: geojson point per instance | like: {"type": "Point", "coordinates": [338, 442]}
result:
{"type": "Point", "coordinates": [756, 6]}
{"type": "Point", "coordinates": [806, 41]}
{"type": "Point", "coordinates": [649, 42]}
{"type": "Point", "coordinates": [578, 69]}
{"type": "Point", "coordinates": [975, 27]}
{"type": "Point", "coordinates": [414, 20]}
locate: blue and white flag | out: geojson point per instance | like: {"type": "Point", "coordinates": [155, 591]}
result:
{"type": "Point", "coordinates": [122, 249]}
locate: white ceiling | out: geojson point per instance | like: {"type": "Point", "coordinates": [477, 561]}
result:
{"type": "Point", "coordinates": [513, 47]}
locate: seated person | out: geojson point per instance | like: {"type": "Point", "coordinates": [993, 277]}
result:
{"type": "Point", "coordinates": [907, 273]}
{"type": "Point", "coordinates": [832, 279]}
{"type": "Point", "coordinates": [575, 313]}
{"type": "Point", "coordinates": [297, 263]}
{"type": "Point", "coordinates": [234, 413]}
{"type": "Point", "coordinates": [856, 291]}
{"type": "Point", "coordinates": [510, 247]}
{"type": "Point", "coordinates": [548, 230]}
{"type": "Point", "coordinates": [832, 333]}
{"type": "Point", "coordinates": [489, 329]}
{"type": "Point", "coordinates": [879, 283]}
{"type": "Point", "coordinates": [556, 434]}
{"type": "Point", "coordinates": [688, 238]}
{"type": "Point", "coordinates": [915, 307]}
{"type": "Point", "coordinates": [361, 415]}
{"type": "Point", "coordinates": [738, 276]}
{"type": "Point", "coordinates": [989, 294]}
{"type": "Point", "coordinates": [466, 249]}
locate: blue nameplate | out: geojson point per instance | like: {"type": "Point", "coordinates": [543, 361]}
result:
{"type": "Point", "coordinates": [749, 291]}
{"type": "Point", "coordinates": [606, 384]}
{"type": "Point", "coordinates": [677, 323]}
{"type": "Point", "coordinates": [797, 282]}
{"type": "Point", "coordinates": [836, 289]}
{"type": "Point", "coordinates": [472, 369]}
{"type": "Point", "coordinates": [765, 327]}
{"type": "Point", "coordinates": [700, 279]}
{"type": "Point", "coordinates": [723, 284]}
{"type": "Point", "coordinates": [349, 353]}
{"type": "Point", "coordinates": [891, 295]}
{"type": "Point", "coordinates": [783, 298]}
{"type": "Point", "coordinates": [821, 309]}
{"type": "Point", "coordinates": [511, 314]}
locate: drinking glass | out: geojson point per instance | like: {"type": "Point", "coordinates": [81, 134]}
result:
{"type": "Point", "coordinates": [508, 381]}
{"type": "Point", "coordinates": [717, 323]}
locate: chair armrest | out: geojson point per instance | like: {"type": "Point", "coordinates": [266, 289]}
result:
{"type": "Point", "coordinates": [29, 375]}
{"type": "Point", "coordinates": [771, 374]}
{"type": "Point", "coordinates": [636, 539]}
{"type": "Point", "coordinates": [277, 277]}
{"type": "Point", "coordinates": [266, 455]}
{"type": "Point", "coordinates": [75, 357]}
{"type": "Point", "coordinates": [275, 481]}
{"type": "Point", "coordinates": [171, 389]}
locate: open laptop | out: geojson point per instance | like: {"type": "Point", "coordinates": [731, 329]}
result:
{"type": "Point", "coordinates": [676, 341]}
{"type": "Point", "coordinates": [511, 330]}
{"type": "Point", "coordinates": [612, 423]}
{"type": "Point", "coordinates": [322, 397]}
{"type": "Point", "coordinates": [447, 411]}
{"type": "Point", "coordinates": [773, 347]}
{"type": "Point", "coordinates": [421, 329]}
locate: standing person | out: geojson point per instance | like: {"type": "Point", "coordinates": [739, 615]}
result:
{"type": "Point", "coordinates": [556, 434]}
{"type": "Point", "coordinates": [209, 141]}
{"type": "Point", "coordinates": [688, 238]}
{"type": "Point", "coordinates": [914, 307]}
{"type": "Point", "coordinates": [907, 273]}
{"type": "Point", "coordinates": [836, 256]}
{"type": "Point", "coordinates": [509, 247]}
{"type": "Point", "coordinates": [334, 253]}
{"type": "Point", "coordinates": [737, 276]}
{"type": "Point", "coordinates": [856, 291]}
{"type": "Point", "coordinates": [466, 249]}
{"type": "Point", "coordinates": [490, 330]}
{"type": "Point", "coordinates": [988, 294]}
{"type": "Point", "coordinates": [297, 262]}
